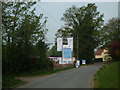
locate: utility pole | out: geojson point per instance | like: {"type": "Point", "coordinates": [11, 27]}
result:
{"type": "Point", "coordinates": [77, 48]}
{"type": "Point", "coordinates": [0, 44]}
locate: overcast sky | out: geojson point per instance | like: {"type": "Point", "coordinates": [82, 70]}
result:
{"type": "Point", "coordinates": [54, 11]}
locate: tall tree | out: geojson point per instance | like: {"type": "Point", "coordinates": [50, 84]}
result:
{"type": "Point", "coordinates": [22, 30]}
{"type": "Point", "coordinates": [110, 31]}
{"type": "Point", "coordinates": [83, 24]}
{"type": "Point", "coordinates": [110, 37]}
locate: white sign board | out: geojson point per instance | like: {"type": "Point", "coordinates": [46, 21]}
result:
{"type": "Point", "coordinates": [83, 61]}
{"type": "Point", "coordinates": [67, 53]}
{"type": "Point", "coordinates": [77, 63]}
{"type": "Point", "coordinates": [59, 44]}
{"type": "Point", "coordinates": [70, 43]}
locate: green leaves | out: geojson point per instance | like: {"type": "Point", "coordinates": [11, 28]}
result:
{"type": "Point", "coordinates": [110, 35]}
{"type": "Point", "coordinates": [23, 30]}
{"type": "Point", "coordinates": [110, 31]}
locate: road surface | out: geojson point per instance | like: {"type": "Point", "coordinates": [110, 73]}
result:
{"type": "Point", "coordinates": [73, 78]}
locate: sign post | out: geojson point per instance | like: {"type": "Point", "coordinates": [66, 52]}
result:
{"type": "Point", "coordinates": [83, 62]}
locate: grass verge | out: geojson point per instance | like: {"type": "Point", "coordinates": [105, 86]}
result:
{"type": "Point", "coordinates": [107, 76]}
{"type": "Point", "coordinates": [9, 81]}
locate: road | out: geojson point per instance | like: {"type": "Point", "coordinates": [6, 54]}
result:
{"type": "Point", "coordinates": [73, 78]}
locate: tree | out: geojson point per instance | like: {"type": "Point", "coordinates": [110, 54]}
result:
{"type": "Point", "coordinates": [110, 35]}
{"type": "Point", "coordinates": [54, 53]}
{"type": "Point", "coordinates": [83, 24]}
{"type": "Point", "coordinates": [110, 31]}
{"type": "Point", "coordinates": [22, 31]}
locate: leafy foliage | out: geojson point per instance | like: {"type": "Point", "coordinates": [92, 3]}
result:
{"type": "Point", "coordinates": [110, 37]}
{"type": "Point", "coordinates": [110, 31]}
{"type": "Point", "coordinates": [54, 53]}
{"type": "Point", "coordinates": [23, 38]}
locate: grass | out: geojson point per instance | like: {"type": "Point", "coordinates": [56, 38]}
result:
{"type": "Point", "coordinates": [107, 76]}
{"type": "Point", "coordinates": [10, 81]}
{"type": "Point", "coordinates": [37, 73]}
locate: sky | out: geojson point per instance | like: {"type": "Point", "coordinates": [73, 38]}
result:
{"type": "Point", "coordinates": [54, 11]}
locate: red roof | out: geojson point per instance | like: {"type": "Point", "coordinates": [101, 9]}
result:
{"type": "Point", "coordinates": [99, 52]}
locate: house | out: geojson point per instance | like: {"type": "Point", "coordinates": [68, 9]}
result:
{"type": "Point", "coordinates": [102, 55]}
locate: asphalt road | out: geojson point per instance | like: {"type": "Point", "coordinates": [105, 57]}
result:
{"type": "Point", "coordinates": [74, 78]}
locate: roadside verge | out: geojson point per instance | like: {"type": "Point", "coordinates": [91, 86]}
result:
{"type": "Point", "coordinates": [107, 76]}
